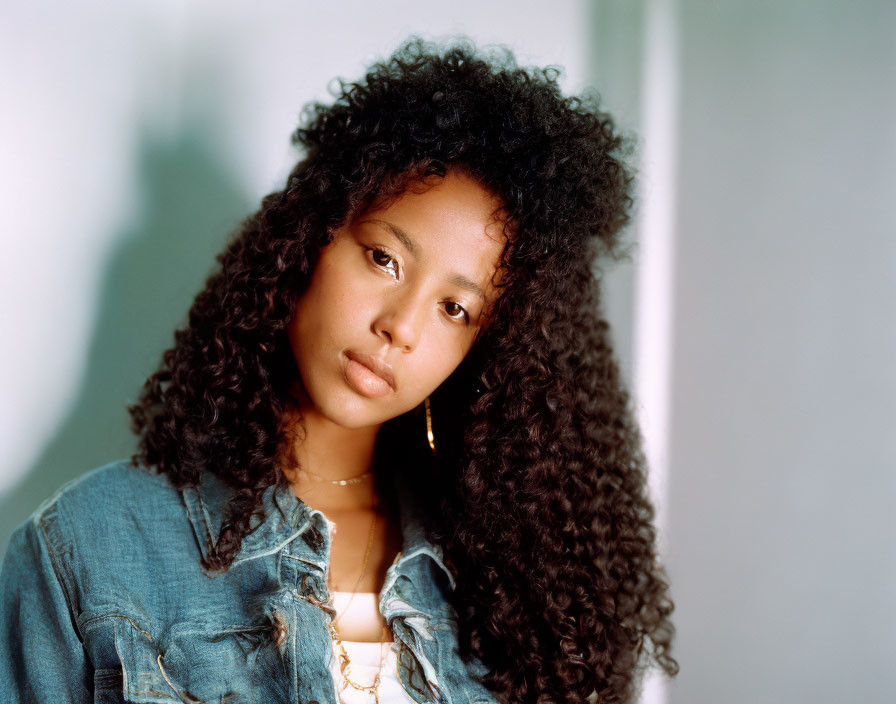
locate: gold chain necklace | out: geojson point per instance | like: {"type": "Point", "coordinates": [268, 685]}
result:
{"type": "Point", "coordinates": [341, 482]}
{"type": "Point", "coordinates": [344, 662]}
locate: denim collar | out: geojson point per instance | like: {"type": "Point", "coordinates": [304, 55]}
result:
{"type": "Point", "coordinates": [206, 502]}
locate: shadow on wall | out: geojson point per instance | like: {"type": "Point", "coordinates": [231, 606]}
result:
{"type": "Point", "coordinates": [192, 202]}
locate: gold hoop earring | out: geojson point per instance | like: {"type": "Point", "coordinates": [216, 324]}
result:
{"type": "Point", "coordinates": [429, 435]}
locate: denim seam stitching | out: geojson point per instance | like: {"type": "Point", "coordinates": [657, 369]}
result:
{"type": "Point", "coordinates": [61, 568]}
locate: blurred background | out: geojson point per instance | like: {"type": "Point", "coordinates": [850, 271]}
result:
{"type": "Point", "coordinates": [754, 320]}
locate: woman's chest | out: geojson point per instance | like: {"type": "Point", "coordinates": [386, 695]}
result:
{"type": "Point", "coordinates": [363, 545]}
{"type": "Point", "coordinates": [258, 633]}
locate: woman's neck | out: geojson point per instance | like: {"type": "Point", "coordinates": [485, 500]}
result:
{"type": "Point", "coordinates": [327, 452]}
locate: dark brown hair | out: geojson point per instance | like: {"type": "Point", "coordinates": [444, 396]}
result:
{"type": "Point", "coordinates": [538, 493]}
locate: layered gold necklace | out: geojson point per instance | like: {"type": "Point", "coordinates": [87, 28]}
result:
{"type": "Point", "coordinates": [344, 661]}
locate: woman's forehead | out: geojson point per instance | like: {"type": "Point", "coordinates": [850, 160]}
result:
{"type": "Point", "coordinates": [452, 219]}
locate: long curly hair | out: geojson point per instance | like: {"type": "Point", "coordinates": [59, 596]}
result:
{"type": "Point", "coordinates": [537, 493]}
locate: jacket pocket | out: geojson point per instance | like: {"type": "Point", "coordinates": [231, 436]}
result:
{"type": "Point", "coordinates": [192, 664]}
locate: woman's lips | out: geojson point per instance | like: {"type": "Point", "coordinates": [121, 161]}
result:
{"type": "Point", "coordinates": [367, 375]}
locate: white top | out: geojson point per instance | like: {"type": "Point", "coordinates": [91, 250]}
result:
{"type": "Point", "coordinates": [359, 616]}
{"type": "Point", "coordinates": [364, 657]}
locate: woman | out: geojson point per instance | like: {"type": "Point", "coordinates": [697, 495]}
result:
{"type": "Point", "coordinates": [389, 457]}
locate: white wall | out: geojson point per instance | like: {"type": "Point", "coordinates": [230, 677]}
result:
{"type": "Point", "coordinates": [779, 261]}
{"type": "Point", "coordinates": [783, 450]}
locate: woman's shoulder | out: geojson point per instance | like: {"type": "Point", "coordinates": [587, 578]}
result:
{"type": "Point", "coordinates": [119, 484]}
{"type": "Point", "coordinates": [101, 505]}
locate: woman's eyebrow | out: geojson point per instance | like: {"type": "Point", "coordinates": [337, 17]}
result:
{"type": "Point", "coordinates": [458, 280]}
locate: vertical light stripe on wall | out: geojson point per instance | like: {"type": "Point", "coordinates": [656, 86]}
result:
{"type": "Point", "coordinates": [654, 277]}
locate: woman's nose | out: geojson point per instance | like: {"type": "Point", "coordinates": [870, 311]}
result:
{"type": "Point", "coordinates": [401, 320]}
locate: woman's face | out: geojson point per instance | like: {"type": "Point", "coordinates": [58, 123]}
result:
{"type": "Point", "coordinates": [405, 288]}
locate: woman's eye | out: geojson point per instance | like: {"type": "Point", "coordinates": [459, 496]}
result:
{"type": "Point", "coordinates": [456, 312]}
{"type": "Point", "coordinates": [382, 258]}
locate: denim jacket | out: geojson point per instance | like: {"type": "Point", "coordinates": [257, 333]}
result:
{"type": "Point", "coordinates": [104, 600]}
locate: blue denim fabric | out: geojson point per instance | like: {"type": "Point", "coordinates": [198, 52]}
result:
{"type": "Point", "coordinates": [104, 600]}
